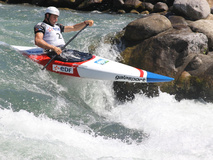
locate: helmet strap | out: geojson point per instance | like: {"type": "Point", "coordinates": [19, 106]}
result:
{"type": "Point", "coordinates": [47, 18]}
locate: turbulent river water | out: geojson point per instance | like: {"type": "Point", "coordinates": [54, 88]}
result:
{"type": "Point", "coordinates": [48, 116]}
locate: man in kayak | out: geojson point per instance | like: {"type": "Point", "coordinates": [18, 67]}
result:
{"type": "Point", "coordinates": [48, 33]}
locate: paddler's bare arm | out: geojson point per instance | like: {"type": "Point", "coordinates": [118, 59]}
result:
{"type": "Point", "coordinates": [41, 43]}
{"type": "Point", "coordinates": [78, 26]}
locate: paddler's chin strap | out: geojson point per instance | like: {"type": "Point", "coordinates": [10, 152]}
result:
{"type": "Point", "coordinates": [47, 19]}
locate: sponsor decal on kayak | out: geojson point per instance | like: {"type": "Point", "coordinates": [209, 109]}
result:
{"type": "Point", "coordinates": [139, 79]}
{"type": "Point", "coordinates": [101, 61]}
{"type": "Point", "coordinates": [64, 69]}
{"type": "Point", "coordinates": [34, 51]}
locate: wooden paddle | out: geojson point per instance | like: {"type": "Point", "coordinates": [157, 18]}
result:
{"type": "Point", "coordinates": [63, 47]}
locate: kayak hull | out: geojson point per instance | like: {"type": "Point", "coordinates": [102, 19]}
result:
{"type": "Point", "coordinates": [94, 68]}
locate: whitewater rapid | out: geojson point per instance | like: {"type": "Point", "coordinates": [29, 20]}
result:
{"type": "Point", "coordinates": [178, 130]}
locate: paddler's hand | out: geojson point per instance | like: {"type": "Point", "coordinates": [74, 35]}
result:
{"type": "Point", "coordinates": [57, 50]}
{"type": "Point", "coordinates": [90, 22]}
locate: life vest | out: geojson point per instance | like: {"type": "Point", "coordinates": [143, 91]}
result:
{"type": "Point", "coordinates": [52, 34]}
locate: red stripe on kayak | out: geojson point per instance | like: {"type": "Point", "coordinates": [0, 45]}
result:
{"type": "Point", "coordinates": [141, 72]}
{"type": "Point", "coordinates": [74, 65]}
{"type": "Point", "coordinates": [44, 59]}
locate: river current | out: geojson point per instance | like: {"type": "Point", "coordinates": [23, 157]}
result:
{"type": "Point", "coordinates": [47, 116]}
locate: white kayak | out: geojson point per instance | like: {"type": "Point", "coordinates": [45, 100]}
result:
{"type": "Point", "coordinates": [85, 65]}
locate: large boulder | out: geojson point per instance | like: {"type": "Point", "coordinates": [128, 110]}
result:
{"type": "Point", "coordinates": [192, 9]}
{"type": "Point", "coordinates": [204, 26]}
{"type": "Point", "coordinates": [167, 53]}
{"type": "Point", "coordinates": [146, 27]}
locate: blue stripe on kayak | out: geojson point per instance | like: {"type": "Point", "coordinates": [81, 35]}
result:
{"type": "Point", "coordinates": [153, 77]}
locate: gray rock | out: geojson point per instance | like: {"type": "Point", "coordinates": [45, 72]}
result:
{"type": "Point", "coordinates": [205, 27]}
{"type": "Point", "coordinates": [146, 27]}
{"type": "Point", "coordinates": [148, 6]}
{"type": "Point", "coordinates": [160, 7]}
{"type": "Point", "coordinates": [192, 9]}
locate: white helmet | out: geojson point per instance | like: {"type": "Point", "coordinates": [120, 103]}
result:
{"type": "Point", "coordinates": [52, 10]}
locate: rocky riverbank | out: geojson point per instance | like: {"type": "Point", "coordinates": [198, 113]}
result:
{"type": "Point", "coordinates": [177, 44]}
{"type": "Point", "coordinates": [172, 38]}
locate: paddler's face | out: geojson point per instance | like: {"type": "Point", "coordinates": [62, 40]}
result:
{"type": "Point", "coordinates": [53, 19]}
